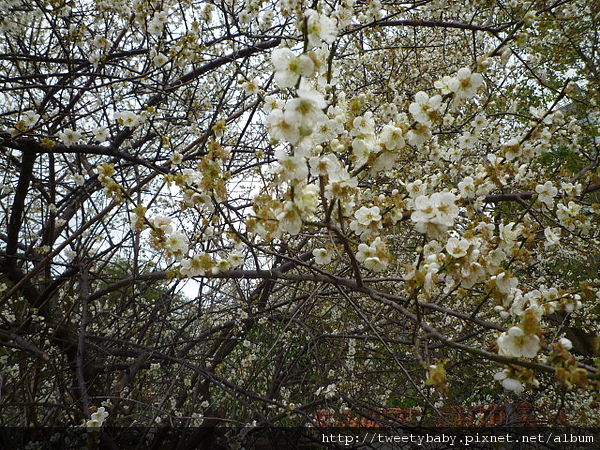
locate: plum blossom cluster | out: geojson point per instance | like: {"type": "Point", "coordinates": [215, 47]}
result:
{"type": "Point", "coordinates": [205, 185]}
{"type": "Point", "coordinates": [337, 165]}
{"type": "Point", "coordinates": [375, 257]}
{"type": "Point", "coordinates": [69, 137]}
{"type": "Point", "coordinates": [435, 213]}
{"type": "Point", "coordinates": [204, 264]}
{"type": "Point", "coordinates": [298, 118]}
{"type": "Point", "coordinates": [464, 85]}
{"type": "Point", "coordinates": [367, 221]}
{"type": "Point", "coordinates": [112, 189]}
{"type": "Point", "coordinates": [518, 344]}
{"type": "Point", "coordinates": [319, 28]}
{"type": "Point", "coordinates": [164, 237]}
{"type": "Point", "coordinates": [405, 195]}
{"type": "Point", "coordinates": [509, 383]}
{"type": "Point", "coordinates": [97, 418]}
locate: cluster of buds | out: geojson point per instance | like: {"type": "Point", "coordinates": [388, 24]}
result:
{"type": "Point", "coordinates": [567, 372]}
{"type": "Point", "coordinates": [112, 189]}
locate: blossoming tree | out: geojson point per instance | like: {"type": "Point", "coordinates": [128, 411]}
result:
{"type": "Point", "coordinates": [328, 204]}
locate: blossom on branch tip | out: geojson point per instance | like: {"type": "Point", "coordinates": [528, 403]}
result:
{"type": "Point", "coordinates": [290, 220]}
{"type": "Point", "coordinates": [69, 137]}
{"type": "Point", "coordinates": [306, 108]}
{"type": "Point", "coordinates": [425, 109]}
{"type": "Point", "coordinates": [546, 193]}
{"type": "Point", "coordinates": [565, 343]}
{"type": "Point", "coordinates": [97, 418]}
{"type": "Point", "coordinates": [282, 126]}
{"type": "Point", "coordinates": [392, 137]}
{"type": "Point", "coordinates": [163, 223]}
{"type": "Point", "coordinates": [324, 165]}
{"type": "Point", "coordinates": [322, 255]}
{"type": "Point", "coordinates": [367, 221]}
{"type": "Point", "coordinates": [552, 236]}
{"type": "Point", "coordinates": [365, 216]}
{"type": "Point", "coordinates": [467, 83]}
{"type": "Point", "coordinates": [467, 187]}
{"type": "Point", "coordinates": [176, 245]}
{"type": "Point", "coordinates": [510, 384]}
{"type": "Point", "coordinates": [307, 199]}
{"type": "Point", "coordinates": [516, 343]}
{"type": "Point", "coordinates": [291, 167]}
{"type": "Point", "coordinates": [439, 209]}
{"type": "Point", "coordinates": [101, 134]}
{"type": "Point", "coordinates": [319, 28]}
{"type": "Point", "coordinates": [289, 67]}
{"type": "Point", "coordinates": [29, 120]}
{"type": "Point", "coordinates": [127, 118]}
{"type": "Point", "coordinates": [457, 248]}
{"type": "Point", "coordinates": [373, 256]}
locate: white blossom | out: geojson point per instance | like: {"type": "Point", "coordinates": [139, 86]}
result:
{"type": "Point", "coordinates": [425, 109]}
{"type": "Point", "coordinates": [546, 193]}
{"type": "Point", "coordinates": [322, 255]}
{"type": "Point", "coordinates": [69, 137]}
{"type": "Point", "coordinates": [516, 343]}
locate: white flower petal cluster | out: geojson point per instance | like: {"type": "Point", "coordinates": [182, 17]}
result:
{"type": "Point", "coordinates": [329, 392]}
{"type": "Point", "coordinates": [307, 107]}
{"type": "Point", "coordinates": [365, 216]}
{"type": "Point", "coordinates": [467, 187]}
{"type": "Point", "coordinates": [569, 215]}
{"type": "Point", "coordinates": [291, 167]}
{"type": "Point", "coordinates": [282, 127]}
{"type": "Point", "coordinates": [204, 264]}
{"type": "Point", "coordinates": [467, 83]}
{"type": "Point", "coordinates": [546, 193]}
{"type": "Point", "coordinates": [176, 245]}
{"type": "Point", "coordinates": [29, 120]}
{"type": "Point", "coordinates": [509, 233]}
{"type": "Point", "coordinates": [505, 283]}
{"type": "Point", "coordinates": [319, 28]}
{"type": "Point", "coordinates": [425, 109]}
{"type": "Point", "coordinates": [530, 302]}
{"type": "Point", "coordinates": [364, 143]}
{"type": "Point", "coordinates": [570, 189]}
{"type": "Point", "coordinates": [457, 247]}
{"type": "Point", "coordinates": [97, 418]}
{"type": "Point", "coordinates": [157, 24]}
{"type": "Point", "coordinates": [69, 137]}
{"type": "Point", "coordinates": [299, 117]}
{"type": "Point", "coordinates": [516, 343]}
{"type": "Point", "coordinates": [322, 255]}
{"type": "Point", "coordinates": [289, 67]}
{"type": "Point", "coordinates": [510, 384]}
{"type": "Point", "coordinates": [201, 200]}
{"type": "Point", "coordinates": [127, 118]}
{"type": "Point", "coordinates": [464, 84]}
{"type": "Point", "coordinates": [435, 213]}
{"type": "Point", "coordinates": [552, 236]}
{"type": "Point", "coordinates": [416, 188]}
{"type": "Point", "coordinates": [290, 218]}
{"type": "Point", "coordinates": [367, 221]}
{"type": "Point", "coordinates": [565, 343]}
{"type": "Point", "coordinates": [164, 237]}
{"type": "Point", "coordinates": [392, 137]}
{"type": "Point", "coordinates": [163, 223]}
{"type": "Point", "coordinates": [389, 142]}
{"type": "Point", "coordinates": [307, 199]}
{"type": "Point", "coordinates": [374, 256]}
{"type": "Point", "coordinates": [538, 302]}
{"type": "Point", "coordinates": [101, 134]}
{"type": "Point", "coordinates": [325, 165]}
